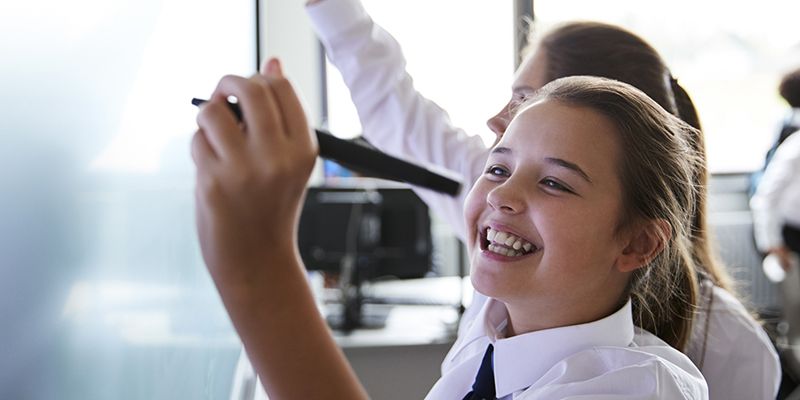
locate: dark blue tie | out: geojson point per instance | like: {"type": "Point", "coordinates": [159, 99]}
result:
{"type": "Point", "coordinates": [483, 387]}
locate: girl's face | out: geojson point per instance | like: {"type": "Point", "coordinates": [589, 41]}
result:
{"type": "Point", "coordinates": [542, 220]}
{"type": "Point", "coordinates": [530, 76]}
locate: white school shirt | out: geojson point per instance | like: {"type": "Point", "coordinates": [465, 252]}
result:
{"type": "Point", "coordinates": [739, 360]}
{"type": "Point", "coordinates": [777, 198]}
{"type": "Point", "coordinates": [604, 359]}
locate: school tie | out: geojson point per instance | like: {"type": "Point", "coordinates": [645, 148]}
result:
{"type": "Point", "coordinates": [483, 387]}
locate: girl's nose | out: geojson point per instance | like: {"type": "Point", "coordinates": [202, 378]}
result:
{"type": "Point", "coordinates": [506, 198]}
{"type": "Point", "coordinates": [499, 123]}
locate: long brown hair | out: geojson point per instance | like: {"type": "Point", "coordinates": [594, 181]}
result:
{"type": "Point", "coordinates": [789, 88]}
{"type": "Point", "coordinates": [599, 49]}
{"type": "Point", "coordinates": [656, 171]}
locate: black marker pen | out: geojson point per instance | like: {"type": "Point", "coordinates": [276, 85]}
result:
{"type": "Point", "coordinates": [371, 162]}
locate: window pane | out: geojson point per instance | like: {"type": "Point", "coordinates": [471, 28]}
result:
{"type": "Point", "coordinates": [729, 58]}
{"type": "Point", "coordinates": [103, 293]}
{"type": "Point", "coordinates": [460, 56]}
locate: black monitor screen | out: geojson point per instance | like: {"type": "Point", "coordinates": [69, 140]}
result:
{"type": "Point", "coordinates": [387, 231]}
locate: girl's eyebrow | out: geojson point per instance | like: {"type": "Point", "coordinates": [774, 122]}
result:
{"type": "Point", "coordinates": [552, 160]}
{"type": "Point", "coordinates": [570, 166]}
{"type": "Point", "coordinates": [522, 89]}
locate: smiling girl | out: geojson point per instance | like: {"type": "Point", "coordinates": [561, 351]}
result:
{"type": "Point", "coordinates": [577, 233]}
{"type": "Point", "coordinates": [577, 212]}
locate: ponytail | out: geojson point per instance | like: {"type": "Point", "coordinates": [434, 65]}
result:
{"type": "Point", "coordinates": [703, 249]}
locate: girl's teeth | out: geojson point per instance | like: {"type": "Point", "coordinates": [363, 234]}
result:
{"type": "Point", "coordinates": [506, 243]}
{"type": "Point", "coordinates": [500, 237]}
{"type": "Point", "coordinates": [504, 251]}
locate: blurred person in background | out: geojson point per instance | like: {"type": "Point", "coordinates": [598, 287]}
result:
{"type": "Point", "coordinates": [789, 89]}
{"type": "Point", "coordinates": [776, 202]}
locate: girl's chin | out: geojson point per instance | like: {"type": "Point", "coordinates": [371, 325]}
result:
{"type": "Point", "coordinates": [488, 283]}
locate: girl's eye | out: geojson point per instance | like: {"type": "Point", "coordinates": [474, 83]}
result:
{"type": "Point", "coordinates": [523, 97]}
{"type": "Point", "coordinates": [497, 170]}
{"type": "Point", "coordinates": [555, 185]}
{"type": "Point", "coordinates": [517, 99]}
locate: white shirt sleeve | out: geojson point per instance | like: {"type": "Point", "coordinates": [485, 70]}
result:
{"type": "Point", "coordinates": [776, 189]}
{"type": "Point", "coordinates": [395, 117]}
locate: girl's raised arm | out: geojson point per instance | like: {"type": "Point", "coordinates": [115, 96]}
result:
{"type": "Point", "coordinates": [251, 176]}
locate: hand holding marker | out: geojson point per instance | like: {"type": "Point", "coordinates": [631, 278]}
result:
{"type": "Point", "coordinates": [371, 162]}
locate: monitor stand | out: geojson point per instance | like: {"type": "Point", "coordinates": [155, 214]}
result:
{"type": "Point", "coordinates": [353, 314]}
{"type": "Point", "coordinates": [367, 318]}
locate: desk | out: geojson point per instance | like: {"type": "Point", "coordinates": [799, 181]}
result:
{"type": "Point", "coordinates": [402, 360]}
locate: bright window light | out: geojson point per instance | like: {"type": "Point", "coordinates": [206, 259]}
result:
{"type": "Point", "coordinates": [728, 56]}
{"type": "Point", "coordinates": [461, 57]}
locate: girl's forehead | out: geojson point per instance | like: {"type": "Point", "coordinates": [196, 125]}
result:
{"type": "Point", "coordinates": [548, 114]}
{"type": "Point", "coordinates": [559, 129]}
{"type": "Point", "coordinates": [539, 117]}
{"type": "Point", "coordinates": [532, 74]}
{"type": "Point", "coordinates": [522, 111]}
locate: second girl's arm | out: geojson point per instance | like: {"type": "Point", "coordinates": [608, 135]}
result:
{"type": "Point", "coordinates": [395, 117]}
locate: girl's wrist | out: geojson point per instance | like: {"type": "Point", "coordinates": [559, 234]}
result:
{"type": "Point", "coordinates": [264, 271]}
{"type": "Point", "coordinates": [267, 294]}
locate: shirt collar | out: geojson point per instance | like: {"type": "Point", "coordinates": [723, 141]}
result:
{"type": "Point", "coordinates": [521, 360]}
{"type": "Point", "coordinates": [474, 340]}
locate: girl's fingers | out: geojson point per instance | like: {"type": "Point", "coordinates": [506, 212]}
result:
{"type": "Point", "coordinates": [259, 111]}
{"type": "Point", "coordinates": [294, 117]}
{"type": "Point", "coordinates": [275, 128]}
{"type": "Point", "coordinates": [271, 112]}
{"type": "Point", "coordinates": [202, 153]}
{"type": "Point", "coordinates": [220, 129]}
{"type": "Point", "coordinates": [268, 66]}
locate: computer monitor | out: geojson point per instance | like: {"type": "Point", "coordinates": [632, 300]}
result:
{"type": "Point", "coordinates": [385, 232]}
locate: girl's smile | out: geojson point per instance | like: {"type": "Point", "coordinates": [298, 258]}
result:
{"type": "Point", "coordinates": [544, 216]}
{"type": "Point", "coordinates": [499, 241]}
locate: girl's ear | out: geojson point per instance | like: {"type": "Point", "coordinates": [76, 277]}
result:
{"type": "Point", "coordinates": [646, 241]}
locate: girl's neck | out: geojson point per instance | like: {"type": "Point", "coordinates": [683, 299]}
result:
{"type": "Point", "coordinates": [525, 318]}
